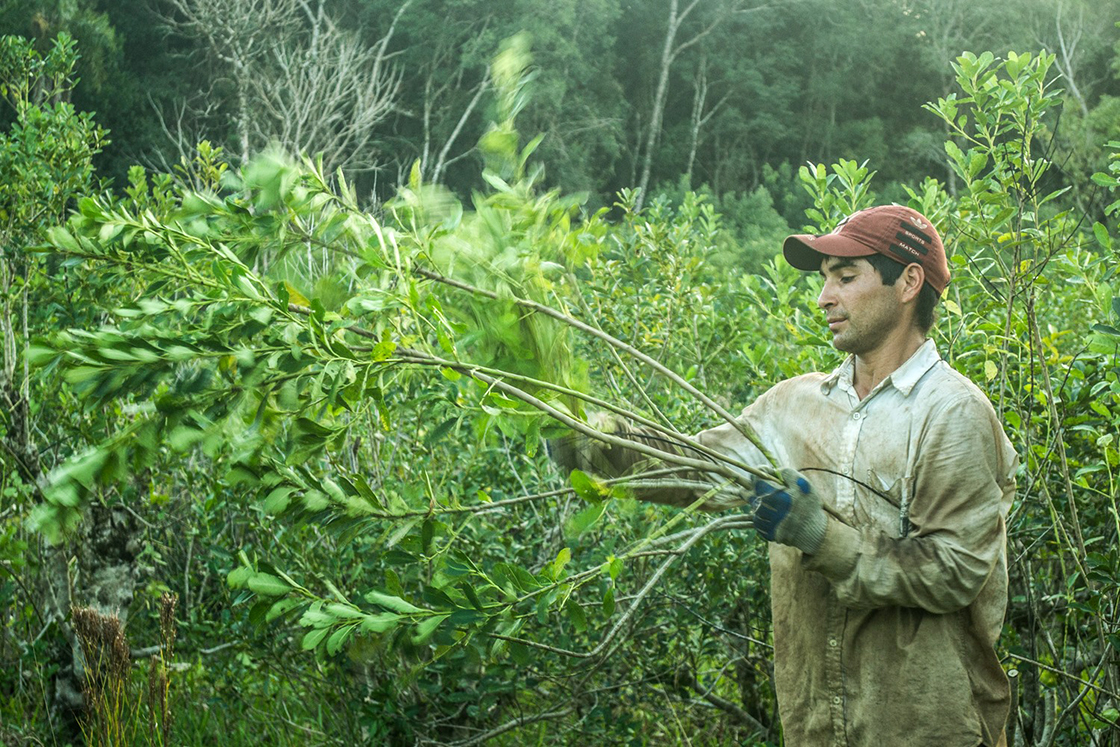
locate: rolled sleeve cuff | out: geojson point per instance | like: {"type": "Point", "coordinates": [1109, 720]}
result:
{"type": "Point", "coordinates": [836, 557]}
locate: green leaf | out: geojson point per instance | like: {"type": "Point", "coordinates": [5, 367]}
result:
{"type": "Point", "coordinates": [454, 569]}
{"type": "Point", "coordinates": [338, 638]}
{"type": "Point", "coordinates": [440, 431]}
{"type": "Point", "coordinates": [954, 151]}
{"type": "Point", "coordinates": [1106, 329]}
{"type": "Point", "coordinates": [258, 612]}
{"type": "Point", "coordinates": [294, 296]}
{"type": "Point", "coordinates": [518, 577]}
{"type": "Point", "coordinates": [344, 611]}
{"type": "Point", "coordinates": [308, 429]}
{"type": "Point", "coordinates": [65, 494]}
{"type": "Point", "coordinates": [268, 585]}
{"type": "Point", "coordinates": [390, 602]}
{"type": "Point", "coordinates": [576, 615]}
{"type": "Point", "coordinates": [40, 355]}
{"type": "Point", "coordinates": [562, 559]}
{"type": "Point", "coordinates": [544, 602]}
{"type": "Point", "coordinates": [313, 638]}
{"type": "Point", "coordinates": [615, 569]}
{"type": "Point", "coordinates": [85, 468]}
{"type": "Point", "coordinates": [585, 519]}
{"type": "Point", "coordinates": [279, 608]}
{"type": "Point", "coordinates": [239, 576]}
{"type": "Point", "coordinates": [471, 595]}
{"type": "Point", "coordinates": [315, 617]}
{"type": "Point", "coordinates": [463, 616]}
{"type": "Point", "coordinates": [62, 239]}
{"type": "Point", "coordinates": [1101, 233]}
{"type": "Point", "coordinates": [380, 623]}
{"type": "Point", "coordinates": [519, 653]}
{"type": "Point", "coordinates": [184, 437]}
{"type": "Point", "coordinates": [425, 629]}
{"type": "Point", "coordinates": [383, 350]}
{"type": "Point", "coordinates": [585, 487]}
{"type": "Point", "coordinates": [278, 499]}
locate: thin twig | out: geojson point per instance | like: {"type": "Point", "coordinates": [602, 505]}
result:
{"type": "Point", "coordinates": [511, 725]}
{"type": "Point", "coordinates": [1067, 675]}
{"type": "Point", "coordinates": [721, 703]}
{"type": "Point", "coordinates": [698, 534]}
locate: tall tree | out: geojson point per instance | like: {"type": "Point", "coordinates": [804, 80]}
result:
{"type": "Point", "coordinates": [296, 77]}
{"type": "Point", "coordinates": [678, 38]}
{"type": "Point", "coordinates": [574, 99]}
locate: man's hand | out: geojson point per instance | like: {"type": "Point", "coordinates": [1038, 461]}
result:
{"type": "Point", "coordinates": [790, 514]}
{"type": "Point", "coordinates": [577, 451]}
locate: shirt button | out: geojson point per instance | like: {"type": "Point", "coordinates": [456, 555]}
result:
{"type": "Point", "coordinates": [857, 415]}
{"type": "Point", "coordinates": [836, 700]}
{"type": "Point", "coordinates": [832, 642]}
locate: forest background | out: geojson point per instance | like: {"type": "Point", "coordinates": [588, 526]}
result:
{"type": "Point", "coordinates": [284, 418]}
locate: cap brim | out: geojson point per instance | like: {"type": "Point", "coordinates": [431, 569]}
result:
{"type": "Point", "coordinates": [805, 251]}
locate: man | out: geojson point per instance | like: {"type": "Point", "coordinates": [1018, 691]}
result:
{"type": "Point", "coordinates": [888, 546]}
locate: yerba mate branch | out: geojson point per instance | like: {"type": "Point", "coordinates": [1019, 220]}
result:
{"type": "Point", "coordinates": [476, 372]}
{"type": "Point", "coordinates": [673, 436]}
{"type": "Point", "coordinates": [676, 378]}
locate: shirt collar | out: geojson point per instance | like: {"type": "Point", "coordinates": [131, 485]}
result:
{"type": "Point", "coordinates": [903, 378]}
{"type": "Point", "coordinates": [842, 374]}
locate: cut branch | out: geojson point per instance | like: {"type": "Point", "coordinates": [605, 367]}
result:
{"type": "Point", "coordinates": [614, 342]}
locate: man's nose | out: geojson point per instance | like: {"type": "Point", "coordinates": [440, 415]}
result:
{"type": "Point", "coordinates": [825, 299]}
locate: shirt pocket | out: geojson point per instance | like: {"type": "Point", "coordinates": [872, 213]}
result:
{"type": "Point", "coordinates": [886, 502]}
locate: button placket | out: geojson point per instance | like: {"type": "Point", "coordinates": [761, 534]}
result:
{"type": "Point", "coordinates": [845, 489]}
{"type": "Point", "coordinates": [834, 674]}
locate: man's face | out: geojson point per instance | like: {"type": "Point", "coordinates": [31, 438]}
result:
{"type": "Point", "coordinates": [861, 312]}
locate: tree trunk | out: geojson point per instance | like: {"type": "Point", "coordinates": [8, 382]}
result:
{"type": "Point", "coordinates": [659, 97]}
{"type": "Point", "coordinates": [699, 98]}
{"type": "Point", "coordinates": [242, 119]}
{"type": "Point", "coordinates": [442, 161]}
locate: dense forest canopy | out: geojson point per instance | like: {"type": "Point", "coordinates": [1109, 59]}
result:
{"type": "Point", "coordinates": [295, 292]}
{"type": "Point", "coordinates": [728, 94]}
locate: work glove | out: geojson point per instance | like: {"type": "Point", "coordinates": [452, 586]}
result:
{"type": "Point", "coordinates": [577, 451]}
{"type": "Point", "coordinates": [790, 514]}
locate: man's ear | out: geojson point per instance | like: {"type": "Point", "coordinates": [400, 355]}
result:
{"type": "Point", "coordinates": [913, 276]}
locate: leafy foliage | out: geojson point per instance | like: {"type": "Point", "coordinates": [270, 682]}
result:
{"type": "Point", "coordinates": [345, 410]}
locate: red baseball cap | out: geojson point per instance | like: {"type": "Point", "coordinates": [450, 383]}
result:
{"type": "Point", "coordinates": [898, 232]}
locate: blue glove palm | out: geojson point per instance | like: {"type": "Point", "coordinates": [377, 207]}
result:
{"type": "Point", "coordinates": [790, 514]}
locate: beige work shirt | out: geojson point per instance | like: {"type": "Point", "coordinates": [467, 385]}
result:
{"type": "Point", "coordinates": [887, 635]}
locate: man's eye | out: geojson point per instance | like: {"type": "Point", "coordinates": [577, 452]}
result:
{"type": "Point", "coordinates": [847, 278]}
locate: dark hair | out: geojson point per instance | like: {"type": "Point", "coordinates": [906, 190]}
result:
{"type": "Point", "coordinates": [890, 271]}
